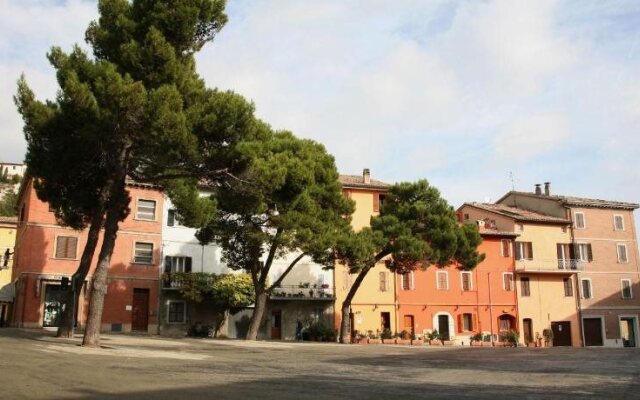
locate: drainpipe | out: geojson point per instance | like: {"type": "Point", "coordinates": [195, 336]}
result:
{"type": "Point", "coordinates": [578, 288]}
{"type": "Point", "coordinates": [490, 308]}
{"type": "Point", "coordinates": [395, 293]}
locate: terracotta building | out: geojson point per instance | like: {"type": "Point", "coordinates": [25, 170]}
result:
{"type": "Point", "coordinates": [459, 303]}
{"type": "Point", "coordinates": [604, 244]}
{"type": "Point", "coordinates": [46, 253]}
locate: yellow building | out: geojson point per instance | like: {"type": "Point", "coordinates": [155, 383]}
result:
{"type": "Point", "coordinates": [8, 227]}
{"type": "Point", "coordinates": [545, 271]}
{"type": "Point", "coordinates": [373, 307]}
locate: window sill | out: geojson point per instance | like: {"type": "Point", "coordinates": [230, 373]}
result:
{"type": "Point", "coordinates": [142, 264]}
{"type": "Point", "coordinates": [145, 219]}
{"type": "Point", "coordinates": [64, 259]}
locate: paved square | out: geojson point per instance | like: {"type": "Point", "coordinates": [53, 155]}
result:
{"type": "Point", "coordinates": [35, 365]}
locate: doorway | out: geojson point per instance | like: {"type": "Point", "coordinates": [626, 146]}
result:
{"type": "Point", "coordinates": [561, 333]}
{"type": "Point", "coordinates": [443, 327]}
{"type": "Point", "coordinates": [409, 325]}
{"type": "Point", "coordinates": [276, 324]}
{"type": "Point", "coordinates": [628, 331]}
{"type": "Point", "coordinates": [140, 310]}
{"type": "Point", "coordinates": [527, 327]}
{"type": "Point", "coordinates": [592, 331]}
{"type": "Point", "coordinates": [385, 321]}
{"type": "Point", "coordinates": [53, 305]}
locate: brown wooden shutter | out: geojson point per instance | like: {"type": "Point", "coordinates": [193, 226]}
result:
{"type": "Point", "coordinates": [61, 244]}
{"type": "Point", "coordinates": [573, 251]}
{"type": "Point", "coordinates": [559, 251]}
{"type": "Point", "coordinates": [376, 202]}
{"type": "Point", "coordinates": [474, 322]}
{"type": "Point", "coordinates": [460, 322]}
{"type": "Point", "coordinates": [590, 252]}
{"type": "Point", "coordinates": [167, 264]}
{"type": "Point", "coordinates": [518, 251]}
{"type": "Point", "coordinates": [530, 248]}
{"type": "Point", "coordinates": [187, 264]}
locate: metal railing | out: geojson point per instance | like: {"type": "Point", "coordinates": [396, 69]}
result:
{"type": "Point", "coordinates": [549, 265]}
{"type": "Point", "coordinates": [317, 292]}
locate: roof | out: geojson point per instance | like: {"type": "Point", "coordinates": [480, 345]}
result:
{"type": "Point", "coordinates": [489, 232]}
{"type": "Point", "coordinates": [357, 181]}
{"type": "Point", "coordinates": [518, 214]}
{"type": "Point", "coordinates": [577, 201]}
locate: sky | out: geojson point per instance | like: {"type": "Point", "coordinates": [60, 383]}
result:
{"type": "Point", "coordinates": [475, 96]}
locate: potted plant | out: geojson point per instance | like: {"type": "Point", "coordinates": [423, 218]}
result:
{"type": "Point", "coordinates": [548, 337]}
{"type": "Point", "coordinates": [511, 338]}
{"type": "Point", "coordinates": [476, 339]}
{"type": "Point", "coordinates": [433, 335]}
{"type": "Point", "coordinates": [387, 337]}
{"type": "Point", "coordinates": [374, 338]}
{"type": "Point", "coordinates": [486, 340]}
{"type": "Point", "coordinates": [417, 340]}
{"type": "Point", "coordinates": [403, 338]}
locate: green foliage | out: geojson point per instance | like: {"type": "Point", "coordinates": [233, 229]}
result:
{"type": "Point", "coordinates": [433, 335]}
{"type": "Point", "coordinates": [511, 337]}
{"type": "Point", "coordinates": [223, 291]}
{"type": "Point", "coordinates": [8, 204]}
{"type": "Point", "coordinates": [318, 331]}
{"type": "Point", "coordinates": [386, 334]}
{"type": "Point", "coordinates": [476, 337]}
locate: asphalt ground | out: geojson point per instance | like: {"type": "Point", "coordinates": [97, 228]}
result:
{"type": "Point", "coordinates": [36, 365]}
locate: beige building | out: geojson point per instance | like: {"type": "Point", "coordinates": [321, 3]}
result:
{"type": "Point", "coordinates": [8, 227]}
{"type": "Point", "coordinates": [605, 245]}
{"type": "Point", "coordinates": [373, 307]}
{"type": "Point", "coordinates": [545, 282]}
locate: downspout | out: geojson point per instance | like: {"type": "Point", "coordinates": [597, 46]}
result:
{"type": "Point", "coordinates": [578, 288]}
{"type": "Point", "coordinates": [395, 294]}
{"type": "Point", "coordinates": [490, 308]}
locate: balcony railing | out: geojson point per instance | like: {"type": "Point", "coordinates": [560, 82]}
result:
{"type": "Point", "coordinates": [171, 280]}
{"type": "Point", "coordinates": [305, 292]}
{"type": "Point", "coordinates": [549, 265]}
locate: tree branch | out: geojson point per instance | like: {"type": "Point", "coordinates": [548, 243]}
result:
{"type": "Point", "coordinates": [272, 253]}
{"type": "Point", "coordinates": [286, 271]}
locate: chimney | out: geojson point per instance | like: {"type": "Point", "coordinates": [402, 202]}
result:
{"type": "Point", "coordinates": [547, 188]}
{"type": "Point", "coordinates": [366, 175]}
{"type": "Point", "coordinates": [538, 189]}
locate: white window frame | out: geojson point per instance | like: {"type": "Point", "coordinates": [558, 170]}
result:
{"type": "Point", "coordinates": [622, 289]}
{"type": "Point", "coordinates": [385, 275]}
{"type": "Point", "coordinates": [509, 248]}
{"type": "Point", "coordinates": [410, 281]}
{"type": "Point", "coordinates": [184, 262]}
{"type": "Point", "coordinates": [133, 256]}
{"type": "Point", "coordinates": [184, 312]}
{"type": "Point", "coordinates": [155, 210]}
{"type": "Point", "coordinates": [55, 248]}
{"type": "Point", "coordinates": [626, 253]}
{"type": "Point", "coordinates": [579, 255]}
{"type": "Point", "coordinates": [511, 280]}
{"type": "Point", "coordinates": [446, 274]}
{"type": "Point", "coordinates": [462, 273]}
{"type": "Point", "coordinates": [582, 288]}
{"type": "Point", "coordinates": [615, 227]}
{"type": "Point", "coordinates": [575, 220]}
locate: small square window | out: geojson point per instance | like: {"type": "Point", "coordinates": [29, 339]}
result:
{"type": "Point", "coordinates": [66, 247]}
{"type": "Point", "coordinates": [146, 210]}
{"type": "Point", "coordinates": [143, 253]}
{"type": "Point", "coordinates": [176, 312]}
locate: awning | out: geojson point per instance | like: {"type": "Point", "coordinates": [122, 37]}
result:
{"type": "Point", "coordinates": [8, 292]}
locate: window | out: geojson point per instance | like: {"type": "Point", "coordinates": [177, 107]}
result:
{"type": "Point", "coordinates": [176, 314]}
{"type": "Point", "coordinates": [146, 210]}
{"type": "Point", "coordinates": [66, 247]}
{"type": "Point", "coordinates": [626, 288]}
{"type": "Point", "coordinates": [171, 218]}
{"type": "Point", "coordinates": [505, 248]}
{"type": "Point", "coordinates": [507, 281]}
{"type": "Point", "coordinates": [579, 221]}
{"type": "Point", "coordinates": [143, 253]}
{"type": "Point", "coordinates": [520, 227]}
{"type": "Point", "coordinates": [622, 253]}
{"type": "Point", "coordinates": [568, 287]}
{"type": "Point", "coordinates": [466, 217]}
{"type": "Point", "coordinates": [378, 201]}
{"type": "Point", "coordinates": [586, 289]}
{"type": "Point", "coordinates": [442, 280]}
{"type": "Point", "coordinates": [584, 252]}
{"type": "Point", "coordinates": [466, 279]}
{"type": "Point", "coordinates": [467, 322]}
{"type": "Point", "coordinates": [618, 222]}
{"type": "Point", "coordinates": [384, 281]}
{"type": "Point", "coordinates": [177, 264]}
{"type": "Point", "coordinates": [524, 250]}
{"type": "Point", "coordinates": [407, 281]}
{"type": "Point", "coordinates": [525, 289]}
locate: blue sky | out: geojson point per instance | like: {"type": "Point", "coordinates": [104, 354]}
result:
{"type": "Point", "coordinates": [458, 92]}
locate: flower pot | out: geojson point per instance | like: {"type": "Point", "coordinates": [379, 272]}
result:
{"type": "Point", "coordinates": [487, 344]}
{"type": "Point", "coordinates": [448, 343]}
{"type": "Point", "coordinates": [531, 344]}
{"type": "Point", "coordinates": [375, 341]}
{"type": "Point", "coordinates": [476, 344]}
{"type": "Point", "coordinates": [417, 342]}
{"type": "Point", "coordinates": [403, 341]}
{"type": "Point", "coordinates": [363, 341]}
{"type": "Point", "coordinates": [389, 341]}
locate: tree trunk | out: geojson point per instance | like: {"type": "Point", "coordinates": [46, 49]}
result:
{"type": "Point", "coordinates": [258, 314]}
{"type": "Point", "coordinates": [72, 297]}
{"type": "Point", "coordinates": [346, 304]}
{"type": "Point", "coordinates": [99, 283]}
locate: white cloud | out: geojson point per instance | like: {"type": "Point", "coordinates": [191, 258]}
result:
{"type": "Point", "coordinates": [530, 136]}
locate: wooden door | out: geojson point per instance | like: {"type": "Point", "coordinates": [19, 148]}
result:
{"type": "Point", "coordinates": [443, 326]}
{"type": "Point", "coordinates": [561, 333]}
{"type": "Point", "coordinates": [408, 324]}
{"type": "Point", "coordinates": [592, 331]}
{"type": "Point", "coordinates": [140, 311]}
{"type": "Point", "coordinates": [276, 324]}
{"type": "Point", "coordinates": [527, 327]}
{"type": "Point", "coordinates": [628, 332]}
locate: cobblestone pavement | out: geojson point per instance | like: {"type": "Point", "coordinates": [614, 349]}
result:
{"type": "Point", "coordinates": [35, 365]}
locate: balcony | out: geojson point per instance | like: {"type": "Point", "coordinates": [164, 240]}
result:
{"type": "Point", "coordinates": [173, 280]}
{"type": "Point", "coordinates": [550, 266]}
{"type": "Point", "coordinates": [303, 292]}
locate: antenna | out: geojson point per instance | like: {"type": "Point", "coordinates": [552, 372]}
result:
{"type": "Point", "coordinates": [512, 179]}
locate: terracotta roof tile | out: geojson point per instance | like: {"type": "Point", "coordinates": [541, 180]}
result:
{"type": "Point", "coordinates": [517, 213]}
{"type": "Point", "coordinates": [357, 181]}
{"type": "Point", "coordinates": [579, 201]}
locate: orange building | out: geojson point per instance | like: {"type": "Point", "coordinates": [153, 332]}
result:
{"type": "Point", "coordinates": [459, 303]}
{"type": "Point", "coordinates": [47, 252]}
